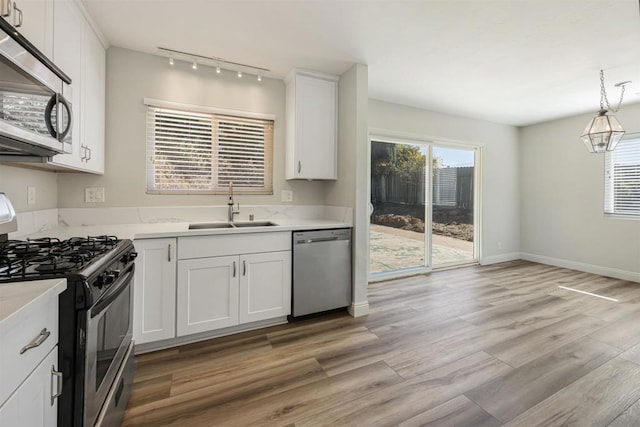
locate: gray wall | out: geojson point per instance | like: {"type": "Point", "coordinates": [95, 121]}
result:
{"type": "Point", "coordinates": [132, 76]}
{"type": "Point", "coordinates": [500, 189]}
{"type": "Point", "coordinates": [15, 180]}
{"type": "Point", "coordinates": [562, 198]}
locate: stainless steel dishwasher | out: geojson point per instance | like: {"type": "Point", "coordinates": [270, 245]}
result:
{"type": "Point", "coordinates": [321, 271]}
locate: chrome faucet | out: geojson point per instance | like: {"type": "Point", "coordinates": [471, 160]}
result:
{"type": "Point", "coordinates": [232, 211]}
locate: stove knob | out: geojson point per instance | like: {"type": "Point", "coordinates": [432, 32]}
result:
{"type": "Point", "coordinates": [102, 280]}
{"type": "Point", "coordinates": [133, 255]}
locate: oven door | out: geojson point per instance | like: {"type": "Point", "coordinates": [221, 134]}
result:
{"type": "Point", "coordinates": [109, 333]}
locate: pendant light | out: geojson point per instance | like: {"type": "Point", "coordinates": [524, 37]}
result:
{"type": "Point", "coordinates": [604, 131]}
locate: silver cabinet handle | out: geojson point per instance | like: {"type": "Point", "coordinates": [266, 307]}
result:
{"type": "Point", "coordinates": [244, 267]}
{"type": "Point", "coordinates": [6, 8]}
{"type": "Point", "coordinates": [234, 269]}
{"type": "Point", "coordinates": [42, 336]}
{"type": "Point", "coordinates": [58, 376]}
{"type": "Point", "coordinates": [19, 16]}
{"type": "Point", "coordinates": [84, 152]}
{"type": "Point", "coordinates": [89, 158]}
{"type": "Point", "coordinates": [299, 166]}
{"type": "Point", "coordinates": [169, 253]}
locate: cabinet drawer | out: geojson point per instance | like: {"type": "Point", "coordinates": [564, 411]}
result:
{"type": "Point", "coordinates": [38, 327]}
{"type": "Point", "coordinates": [233, 244]}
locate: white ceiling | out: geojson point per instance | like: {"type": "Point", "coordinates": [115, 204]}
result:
{"type": "Point", "coordinates": [514, 61]}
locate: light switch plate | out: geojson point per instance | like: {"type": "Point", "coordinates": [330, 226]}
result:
{"type": "Point", "coordinates": [94, 195]}
{"type": "Point", "coordinates": [286, 196]}
{"type": "Point", "coordinates": [31, 195]}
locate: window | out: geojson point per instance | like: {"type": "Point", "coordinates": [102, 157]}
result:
{"type": "Point", "coordinates": [194, 150]}
{"type": "Point", "coordinates": [622, 178]}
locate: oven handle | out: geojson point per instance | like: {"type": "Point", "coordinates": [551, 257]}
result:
{"type": "Point", "coordinates": [115, 291]}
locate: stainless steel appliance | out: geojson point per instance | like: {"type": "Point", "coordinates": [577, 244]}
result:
{"type": "Point", "coordinates": [35, 114]}
{"type": "Point", "coordinates": [95, 337]}
{"type": "Point", "coordinates": [321, 271]}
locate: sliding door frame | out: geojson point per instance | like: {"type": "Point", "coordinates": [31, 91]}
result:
{"type": "Point", "coordinates": [412, 271]}
{"type": "Point", "coordinates": [407, 138]}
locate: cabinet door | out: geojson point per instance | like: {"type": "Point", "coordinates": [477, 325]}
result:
{"type": "Point", "coordinates": [265, 286]}
{"type": "Point", "coordinates": [93, 101]}
{"type": "Point", "coordinates": [154, 290]}
{"type": "Point", "coordinates": [68, 30]}
{"type": "Point", "coordinates": [207, 294]}
{"type": "Point", "coordinates": [316, 131]}
{"type": "Point", "coordinates": [31, 404]}
{"type": "Point", "coordinates": [37, 23]}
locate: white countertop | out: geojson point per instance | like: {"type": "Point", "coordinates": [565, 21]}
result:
{"type": "Point", "coordinates": [16, 296]}
{"type": "Point", "coordinates": [181, 229]}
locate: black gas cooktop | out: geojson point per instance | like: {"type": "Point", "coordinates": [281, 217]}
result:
{"type": "Point", "coordinates": [49, 257]}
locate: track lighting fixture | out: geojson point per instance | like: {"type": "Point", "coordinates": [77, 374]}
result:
{"type": "Point", "coordinates": [218, 63]}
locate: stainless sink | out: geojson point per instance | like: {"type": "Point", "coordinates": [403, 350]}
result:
{"type": "Point", "coordinates": [206, 225]}
{"type": "Point", "coordinates": [237, 224]}
{"type": "Point", "coordinates": [253, 224]}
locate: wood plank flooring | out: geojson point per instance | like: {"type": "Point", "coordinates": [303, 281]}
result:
{"type": "Point", "coordinates": [477, 346]}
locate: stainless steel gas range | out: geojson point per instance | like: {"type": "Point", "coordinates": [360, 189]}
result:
{"type": "Point", "coordinates": [95, 350]}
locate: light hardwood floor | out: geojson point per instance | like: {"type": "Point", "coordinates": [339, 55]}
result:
{"type": "Point", "coordinates": [476, 346]}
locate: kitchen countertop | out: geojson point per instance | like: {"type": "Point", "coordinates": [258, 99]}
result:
{"type": "Point", "coordinates": [17, 295]}
{"type": "Point", "coordinates": [180, 229]}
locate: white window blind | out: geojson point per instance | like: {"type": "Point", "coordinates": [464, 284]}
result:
{"type": "Point", "coordinates": [622, 178]}
{"type": "Point", "coordinates": [195, 152]}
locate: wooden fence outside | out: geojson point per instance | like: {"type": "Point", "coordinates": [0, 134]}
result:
{"type": "Point", "coordinates": [452, 186]}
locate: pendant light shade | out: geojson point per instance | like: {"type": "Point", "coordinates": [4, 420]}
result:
{"type": "Point", "coordinates": [602, 133]}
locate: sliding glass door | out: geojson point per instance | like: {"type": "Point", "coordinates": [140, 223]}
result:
{"type": "Point", "coordinates": [423, 206]}
{"type": "Point", "coordinates": [399, 195]}
{"type": "Point", "coordinates": [452, 211]}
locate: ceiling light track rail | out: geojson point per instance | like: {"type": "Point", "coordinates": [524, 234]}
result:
{"type": "Point", "coordinates": [179, 54]}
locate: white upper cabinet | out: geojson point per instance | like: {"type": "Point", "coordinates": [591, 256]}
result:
{"type": "Point", "coordinates": [312, 125]}
{"type": "Point", "coordinates": [78, 51]}
{"type": "Point", "coordinates": [37, 23]}
{"type": "Point", "coordinates": [68, 31]}
{"type": "Point", "coordinates": [92, 113]}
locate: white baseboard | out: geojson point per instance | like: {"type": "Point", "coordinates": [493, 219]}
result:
{"type": "Point", "coordinates": [587, 268]}
{"type": "Point", "coordinates": [357, 309]}
{"type": "Point", "coordinates": [495, 259]}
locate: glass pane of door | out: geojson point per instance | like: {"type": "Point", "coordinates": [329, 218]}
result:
{"type": "Point", "coordinates": [453, 197]}
{"type": "Point", "coordinates": [399, 187]}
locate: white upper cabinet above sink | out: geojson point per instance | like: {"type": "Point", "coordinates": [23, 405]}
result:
{"type": "Point", "coordinates": [312, 125]}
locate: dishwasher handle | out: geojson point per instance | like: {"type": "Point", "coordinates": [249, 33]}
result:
{"type": "Point", "coordinates": [319, 239]}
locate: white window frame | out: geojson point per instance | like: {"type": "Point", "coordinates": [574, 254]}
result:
{"type": "Point", "coordinates": [217, 115]}
{"type": "Point", "coordinates": [628, 151]}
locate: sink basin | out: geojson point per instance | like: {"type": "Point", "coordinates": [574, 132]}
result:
{"type": "Point", "coordinates": [206, 225]}
{"type": "Point", "coordinates": [241, 224]}
{"type": "Point", "coordinates": [253, 224]}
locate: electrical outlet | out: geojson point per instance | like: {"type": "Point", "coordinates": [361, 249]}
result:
{"type": "Point", "coordinates": [94, 195]}
{"type": "Point", "coordinates": [31, 195]}
{"type": "Point", "coordinates": [286, 196]}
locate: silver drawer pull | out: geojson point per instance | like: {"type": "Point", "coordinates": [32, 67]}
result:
{"type": "Point", "coordinates": [58, 393]}
{"type": "Point", "coordinates": [42, 336]}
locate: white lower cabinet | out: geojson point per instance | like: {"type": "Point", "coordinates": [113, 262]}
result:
{"type": "Point", "coordinates": [34, 404]}
{"type": "Point", "coordinates": [198, 284]}
{"type": "Point", "coordinates": [154, 290]}
{"type": "Point", "coordinates": [265, 286]}
{"type": "Point", "coordinates": [207, 294]}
